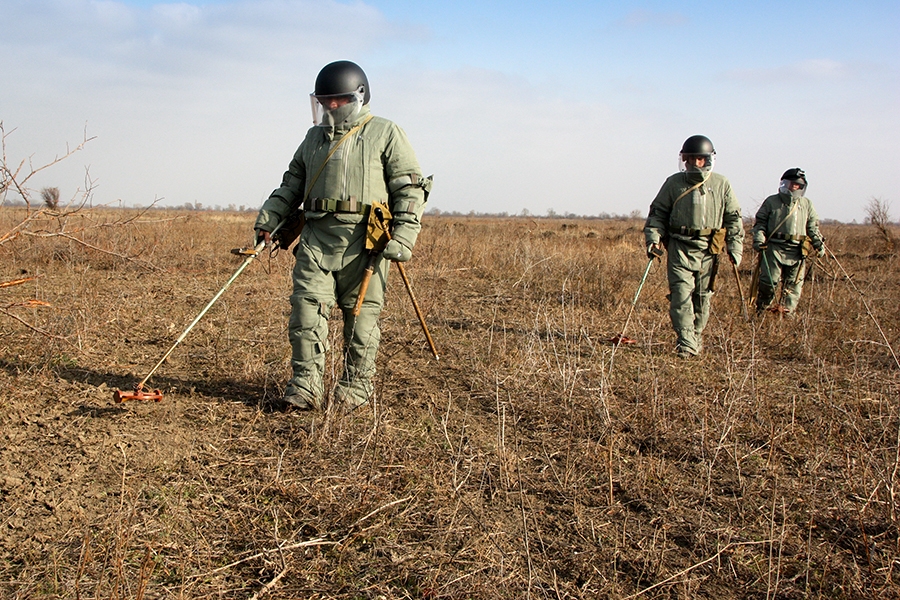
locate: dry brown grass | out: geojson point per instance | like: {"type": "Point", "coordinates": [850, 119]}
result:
{"type": "Point", "coordinates": [524, 464]}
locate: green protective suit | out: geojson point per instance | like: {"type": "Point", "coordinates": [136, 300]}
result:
{"type": "Point", "coordinates": [783, 222]}
{"type": "Point", "coordinates": [685, 221]}
{"type": "Point", "coordinates": [375, 162]}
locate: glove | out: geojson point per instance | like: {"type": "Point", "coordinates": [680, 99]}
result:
{"type": "Point", "coordinates": [759, 246]}
{"type": "Point", "coordinates": [397, 252]}
{"type": "Point", "coordinates": [736, 260]}
{"type": "Point", "coordinates": [263, 235]}
{"type": "Point", "coordinates": [821, 252]}
{"type": "Point", "coordinates": [654, 251]}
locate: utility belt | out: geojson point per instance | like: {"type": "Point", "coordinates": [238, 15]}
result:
{"type": "Point", "coordinates": [335, 206]}
{"type": "Point", "coordinates": [787, 238]}
{"type": "Point", "coordinates": [694, 233]}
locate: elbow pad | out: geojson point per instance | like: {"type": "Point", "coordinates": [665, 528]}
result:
{"type": "Point", "coordinates": [403, 193]}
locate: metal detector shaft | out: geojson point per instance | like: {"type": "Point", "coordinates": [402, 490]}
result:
{"type": "Point", "coordinates": [259, 247]}
{"type": "Point", "coordinates": [754, 280]}
{"type": "Point", "coordinates": [737, 279]}
{"type": "Point", "coordinates": [364, 284]}
{"type": "Point", "coordinates": [250, 256]}
{"type": "Point", "coordinates": [412, 296]}
{"type": "Point", "coordinates": [621, 336]}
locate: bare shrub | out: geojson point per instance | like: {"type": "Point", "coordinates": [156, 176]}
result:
{"type": "Point", "coordinates": [878, 213]}
{"type": "Point", "coordinates": [66, 234]}
{"type": "Point", "coordinates": [51, 198]}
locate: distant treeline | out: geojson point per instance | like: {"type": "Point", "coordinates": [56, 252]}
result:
{"type": "Point", "coordinates": [433, 212]}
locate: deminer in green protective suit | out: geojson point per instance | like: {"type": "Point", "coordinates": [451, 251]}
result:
{"type": "Point", "coordinates": [786, 232]}
{"type": "Point", "coordinates": [349, 160]}
{"type": "Point", "coordinates": [694, 216]}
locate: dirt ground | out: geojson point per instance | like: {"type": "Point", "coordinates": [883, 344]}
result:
{"type": "Point", "coordinates": [533, 460]}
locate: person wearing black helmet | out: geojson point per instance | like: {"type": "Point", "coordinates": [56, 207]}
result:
{"type": "Point", "coordinates": [349, 162]}
{"type": "Point", "coordinates": [695, 216]}
{"type": "Point", "coordinates": [786, 231]}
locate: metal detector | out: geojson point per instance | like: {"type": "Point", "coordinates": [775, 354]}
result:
{"type": "Point", "coordinates": [138, 392]}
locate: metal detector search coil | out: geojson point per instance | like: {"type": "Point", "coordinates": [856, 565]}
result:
{"type": "Point", "coordinates": [137, 394]}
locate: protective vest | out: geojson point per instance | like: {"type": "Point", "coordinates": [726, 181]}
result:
{"type": "Point", "coordinates": [785, 220]}
{"type": "Point", "coordinates": [337, 175]}
{"type": "Point", "coordinates": [688, 212]}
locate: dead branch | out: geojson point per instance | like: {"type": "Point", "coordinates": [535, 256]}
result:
{"type": "Point", "coordinates": [683, 572]}
{"type": "Point", "coordinates": [22, 225]}
{"type": "Point", "coordinates": [13, 179]}
{"type": "Point", "coordinates": [34, 328]}
{"type": "Point", "coordinates": [268, 587]}
{"type": "Point", "coordinates": [13, 282]}
{"type": "Point", "coordinates": [51, 219]}
{"type": "Point", "coordinates": [92, 247]}
{"type": "Point", "coordinates": [293, 546]}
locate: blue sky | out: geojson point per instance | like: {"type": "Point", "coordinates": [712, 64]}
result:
{"type": "Point", "coordinates": [578, 107]}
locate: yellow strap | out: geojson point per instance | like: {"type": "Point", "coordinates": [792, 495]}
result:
{"type": "Point", "coordinates": [796, 206]}
{"type": "Point", "coordinates": [685, 193]}
{"type": "Point", "coordinates": [330, 154]}
{"type": "Point", "coordinates": [682, 195]}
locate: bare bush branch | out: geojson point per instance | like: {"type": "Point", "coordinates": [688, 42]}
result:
{"type": "Point", "coordinates": [50, 197]}
{"type": "Point", "coordinates": [17, 178]}
{"type": "Point", "coordinates": [878, 213]}
{"type": "Point", "coordinates": [4, 284]}
{"type": "Point", "coordinates": [51, 220]}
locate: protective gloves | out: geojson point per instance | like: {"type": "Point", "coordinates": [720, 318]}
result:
{"type": "Point", "coordinates": [397, 252]}
{"type": "Point", "coordinates": [821, 252]}
{"type": "Point", "coordinates": [654, 251]}
{"type": "Point", "coordinates": [759, 246]}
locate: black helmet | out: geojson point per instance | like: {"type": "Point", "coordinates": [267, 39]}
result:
{"type": "Point", "coordinates": [796, 175]}
{"type": "Point", "coordinates": [342, 77]}
{"type": "Point", "coordinates": [697, 145]}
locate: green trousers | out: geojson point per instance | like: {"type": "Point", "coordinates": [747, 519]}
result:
{"type": "Point", "coordinates": [775, 270]}
{"type": "Point", "coordinates": [688, 270]}
{"type": "Point", "coordinates": [314, 295]}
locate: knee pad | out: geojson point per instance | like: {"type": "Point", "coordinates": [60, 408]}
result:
{"type": "Point", "coordinates": [308, 328]}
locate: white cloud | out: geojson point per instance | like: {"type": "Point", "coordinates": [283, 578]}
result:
{"type": "Point", "coordinates": [206, 103]}
{"type": "Point", "coordinates": [178, 15]}
{"type": "Point", "coordinates": [806, 71]}
{"type": "Point", "coordinates": [192, 103]}
{"type": "Point", "coordinates": [640, 18]}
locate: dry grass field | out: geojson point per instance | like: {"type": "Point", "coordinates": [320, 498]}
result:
{"type": "Point", "coordinates": [530, 461]}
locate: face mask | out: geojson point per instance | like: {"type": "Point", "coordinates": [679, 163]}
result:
{"type": "Point", "coordinates": [335, 117]}
{"type": "Point", "coordinates": [785, 188]}
{"type": "Point", "coordinates": [697, 175]}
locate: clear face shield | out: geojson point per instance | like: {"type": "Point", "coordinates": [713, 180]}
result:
{"type": "Point", "coordinates": [792, 187]}
{"type": "Point", "coordinates": [688, 163]}
{"type": "Point", "coordinates": [335, 109]}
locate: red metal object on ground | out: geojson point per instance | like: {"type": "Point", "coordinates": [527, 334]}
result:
{"type": "Point", "coordinates": [138, 394]}
{"type": "Point", "coordinates": [620, 339]}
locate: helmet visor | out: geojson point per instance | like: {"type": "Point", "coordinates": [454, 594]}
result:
{"type": "Point", "coordinates": [789, 187]}
{"type": "Point", "coordinates": [686, 164]}
{"type": "Point", "coordinates": [334, 109]}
